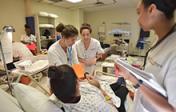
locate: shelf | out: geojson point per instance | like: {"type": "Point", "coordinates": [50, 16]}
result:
{"type": "Point", "coordinates": [46, 26]}
{"type": "Point", "coordinates": [50, 15]}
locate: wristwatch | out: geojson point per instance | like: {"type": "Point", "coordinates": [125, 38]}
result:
{"type": "Point", "coordinates": [138, 84]}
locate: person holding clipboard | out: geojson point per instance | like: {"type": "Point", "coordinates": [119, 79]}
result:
{"type": "Point", "coordinates": [157, 15]}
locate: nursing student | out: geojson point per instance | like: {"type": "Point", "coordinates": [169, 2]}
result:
{"type": "Point", "coordinates": [88, 49]}
{"type": "Point", "coordinates": [59, 29]}
{"type": "Point", "coordinates": [62, 52]}
{"type": "Point", "coordinates": [157, 15]}
{"type": "Point", "coordinates": [58, 36]}
{"type": "Point", "coordinates": [29, 39]}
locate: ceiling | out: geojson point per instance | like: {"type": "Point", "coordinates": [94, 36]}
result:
{"type": "Point", "coordinates": [92, 5]}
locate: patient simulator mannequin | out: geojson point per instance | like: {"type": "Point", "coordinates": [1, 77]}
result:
{"type": "Point", "coordinates": [74, 96]}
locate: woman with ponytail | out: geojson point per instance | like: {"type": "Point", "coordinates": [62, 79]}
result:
{"type": "Point", "coordinates": [157, 15]}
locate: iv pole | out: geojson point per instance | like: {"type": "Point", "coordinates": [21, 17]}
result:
{"type": "Point", "coordinates": [5, 67]}
{"type": "Point", "coordinates": [6, 29]}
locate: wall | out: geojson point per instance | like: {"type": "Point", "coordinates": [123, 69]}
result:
{"type": "Point", "coordinates": [13, 13]}
{"type": "Point", "coordinates": [65, 15]}
{"type": "Point", "coordinates": [110, 16]}
{"type": "Point", "coordinates": [78, 17]}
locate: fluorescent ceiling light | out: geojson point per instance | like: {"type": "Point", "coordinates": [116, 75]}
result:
{"type": "Point", "coordinates": [74, 1]}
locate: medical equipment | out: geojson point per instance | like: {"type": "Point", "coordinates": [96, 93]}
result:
{"type": "Point", "coordinates": [6, 49]}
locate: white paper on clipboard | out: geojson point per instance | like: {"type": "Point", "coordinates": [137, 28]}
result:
{"type": "Point", "coordinates": [147, 78]}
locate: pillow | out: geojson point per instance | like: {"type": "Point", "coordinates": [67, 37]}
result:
{"type": "Point", "coordinates": [20, 50]}
{"type": "Point", "coordinates": [33, 100]}
{"type": "Point", "coordinates": [7, 101]}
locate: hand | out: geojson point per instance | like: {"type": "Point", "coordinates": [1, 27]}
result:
{"type": "Point", "coordinates": [121, 71]}
{"type": "Point", "coordinates": [124, 73]}
{"type": "Point", "coordinates": [99, 56]}
{"type": "Point", "coordinates": [93, 82]}
{"type": "Point", "coordinates": [82, 60]}
{"type": "Point", "coordinates": [88, 62]}
{"type": "Point", "coordinates": [92, 61]}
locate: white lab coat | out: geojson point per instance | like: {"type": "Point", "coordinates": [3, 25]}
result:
{"type": "Point", "coordinates": [57, 56]}
{"type": "Point", "coordinates": [161, 62]}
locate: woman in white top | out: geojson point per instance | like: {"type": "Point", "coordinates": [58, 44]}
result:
{"type": "Point", "coordinates": [157, 15]}
{"type": "Point", "coordinates": [62, 52]}
{"type": "Point", "coordinates": [88, 49]}
{"type": "Point", "coordinates": [29, 39]}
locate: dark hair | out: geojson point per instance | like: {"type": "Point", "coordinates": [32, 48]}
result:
{"type": "Point", "coordinates": [69, 31]}
{"type": "Point", "coordinates": [60, 27]}
{"type": "Point", "coordinates": [27, 26]}
{"type": "Point", "coordinates": [166, 6]}
{"type": "Point", "coordinates": [86, 26]}
{"type": "Point", "coordinates": [63, 82]}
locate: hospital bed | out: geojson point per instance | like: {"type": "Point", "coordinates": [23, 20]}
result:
{"type": "Point", "coordinates": [34, 71]}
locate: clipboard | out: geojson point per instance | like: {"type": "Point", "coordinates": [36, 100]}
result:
{"type": "Point", "coordinates": [147, 78]}
{"type": "Point", "coordinates": [79, 70]}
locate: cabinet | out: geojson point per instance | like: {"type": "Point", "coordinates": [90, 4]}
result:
{"type": "Point", "coordinates": [45, 29]}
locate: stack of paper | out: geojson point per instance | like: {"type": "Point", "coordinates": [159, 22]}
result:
{"type": "Point", "coordinates": [79, 70]}
{"type": "Point", "coordinates": [147, 78]}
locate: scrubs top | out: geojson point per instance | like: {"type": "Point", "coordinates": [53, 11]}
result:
{"type": "Point", "coordinates": [57, 56]}
{"type": "Point", "coordinates": [161, 62]}
{"type": "Point", "coordinates": [29, 39]}
{"type": "Point", "coordinates": [94, 49]}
